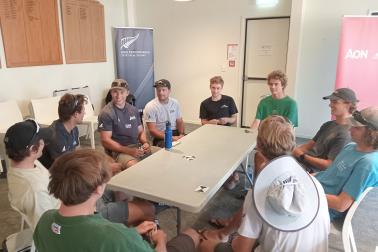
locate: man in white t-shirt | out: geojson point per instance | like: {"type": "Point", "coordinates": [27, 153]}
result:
{"type": "Point", "coordinates": [27, 177]}
{"type": "Point", "coordinates": [287, 208]}
{"type": "Point", "coordinates": [161, 110]}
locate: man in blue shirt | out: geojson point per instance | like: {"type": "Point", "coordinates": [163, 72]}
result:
{"type": "Point", "coordinates": [356, 166]}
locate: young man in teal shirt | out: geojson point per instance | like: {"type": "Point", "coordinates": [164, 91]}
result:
{"type": "Point", "coordinates": [356, 166]}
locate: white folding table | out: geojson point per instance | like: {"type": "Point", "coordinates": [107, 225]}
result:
{"type": "Point", "coordinates": [206, 157]}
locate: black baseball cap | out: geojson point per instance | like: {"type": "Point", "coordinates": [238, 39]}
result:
{"type": "Point", "coordinates": [162, 83]}
{"type": "Point", "coordinates": [24, 134]}
{"type": "Point", "coordinates": [345, 94]}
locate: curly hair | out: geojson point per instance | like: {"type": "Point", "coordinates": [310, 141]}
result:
{"type": "Point", "coordinates": [278, 75]}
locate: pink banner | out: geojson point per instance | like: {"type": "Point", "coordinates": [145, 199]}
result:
{"type": "Point", "coordinates": [358, 59]}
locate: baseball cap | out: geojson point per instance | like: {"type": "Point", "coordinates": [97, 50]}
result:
{"type": "Point", "coordinates": [23, 135]}
{"type": "Point", "coordinates": [162, 83]}
{"type": "Point", "coordinates": [119, 84]}
{"type": "Point", "coordinates": [367, 117]}
{"type": "Point", "coordinates": [285, 195]}
{"type": "Point", "coordinates": [345, 94]}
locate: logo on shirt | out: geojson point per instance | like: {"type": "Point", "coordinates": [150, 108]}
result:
{"type": "Point", "coordinates": [128, 126]}
{"type": "Point", "coordinates": [55, 228]}
{"type": "Point", "coordinates": [132, 118]}
{"type": "Point", "coordinates": [224, 106]}
{"type": "Point", "coordinates": [341, 166]}
{"type": "Point", "coordinates": [172, 111]}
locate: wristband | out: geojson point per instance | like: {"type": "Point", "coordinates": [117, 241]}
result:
{"type": "Point", "coordinates": [302, 157]}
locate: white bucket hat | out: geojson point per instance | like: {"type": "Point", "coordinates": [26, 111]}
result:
{"type": "Point", "coordinates": [285, 195]}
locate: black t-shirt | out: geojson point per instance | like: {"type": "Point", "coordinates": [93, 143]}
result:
{"type": "Point", "coordinates": [60, 142]}
{"type": "Point", "coordinates": [225, 107]}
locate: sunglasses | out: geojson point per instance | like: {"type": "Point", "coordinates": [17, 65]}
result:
{"type": "Point", "coordinates": [37, 128]}
{"type": "Point", "coordinates": [360, 118]}
{"type": "Point", "coordinates": [120, 85]}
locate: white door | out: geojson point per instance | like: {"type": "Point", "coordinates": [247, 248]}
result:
{"type": "Point", "coordinates": [265, 51]}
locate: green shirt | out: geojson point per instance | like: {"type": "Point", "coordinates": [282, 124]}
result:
{"type": "Point", "coordinates": [85, 233]}
{"type": "Point", "coordinates": [286, 107]}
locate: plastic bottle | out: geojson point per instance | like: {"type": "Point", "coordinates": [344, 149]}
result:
{"type": "Point", "coordinates": [168, 136]}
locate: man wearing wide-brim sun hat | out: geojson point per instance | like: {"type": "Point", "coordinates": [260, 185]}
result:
{"type": "Point", "coordinates": [356, 166]}
{"type": "Point", "coordinates": [286, 210]}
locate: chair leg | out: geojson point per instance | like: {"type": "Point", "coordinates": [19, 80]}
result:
{"type": "Point", "coordinates": [92, 136]}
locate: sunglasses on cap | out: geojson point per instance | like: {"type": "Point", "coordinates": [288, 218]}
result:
{"type": "Point", "coordinates": [37, 128]}
{"type": "Point", "coordinates": [117, 84]}
{"type": "Point", "coordinates": [360, 118]}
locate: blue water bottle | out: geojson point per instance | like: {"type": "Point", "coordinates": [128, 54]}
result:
{"type": "Point", "coordinates": [168, 136]}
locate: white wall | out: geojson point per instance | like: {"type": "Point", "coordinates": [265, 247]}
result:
{"type": "Point", "coordinates": [316, 70]}
{"type": "Point", "coordinates": [24, 83]}
{"type": "Point", "coordinates": [190, 47]}
{"type": "Point", "coordinates": [190, 41]}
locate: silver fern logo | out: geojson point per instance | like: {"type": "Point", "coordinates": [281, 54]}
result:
{"type": "Point", "coordinates": [128, 41]}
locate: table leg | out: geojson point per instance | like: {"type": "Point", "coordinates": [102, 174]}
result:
{"type": "Point", "coordinates": [178, 220]}
{"type": "Point", "coordinates": [245, 168]}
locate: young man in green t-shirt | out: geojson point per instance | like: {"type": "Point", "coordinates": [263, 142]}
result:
{"type": "Point", "coordinates": [79, 179]}
{"type": "Point", "coordinates": [278, 103]}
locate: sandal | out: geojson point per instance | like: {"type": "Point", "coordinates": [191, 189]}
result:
{"type": "Point", "coordinates": [218, 222]}
{"type": "Point", "coordinates": [206, 234]}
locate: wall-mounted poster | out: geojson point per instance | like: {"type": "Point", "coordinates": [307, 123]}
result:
{"type": "Point", "coordinates": [83, 31]}
{"type": "Point", "coordinates": [30, 32]}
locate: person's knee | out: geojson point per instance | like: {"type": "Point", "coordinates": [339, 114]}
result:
{"type": "Point", "coordinates": [140, 210]}
{"type": "Point", "coordinates": [131, 163]}
{"type": "Point", "coordinates": [194, 235]}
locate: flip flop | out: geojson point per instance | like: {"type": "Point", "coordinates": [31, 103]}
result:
{"type": "Point", "coordinates": [217, 223]}
{"type": "Point", "coordinates": [206, 234]}
{"type": "Point", "coordinates": [201, 233]}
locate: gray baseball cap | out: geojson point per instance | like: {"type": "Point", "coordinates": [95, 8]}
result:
{"type": "Point", "coordinates": [345, 94]}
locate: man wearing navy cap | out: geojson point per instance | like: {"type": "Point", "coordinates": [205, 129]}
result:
{"type": "Point", "coordinates": [319, 153]}
{"type": "Point", "coordinates": [27, 177]}
{"type": "Point", "coordinates": [163, 109]}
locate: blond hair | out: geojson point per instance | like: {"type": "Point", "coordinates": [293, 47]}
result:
{"type": "Point", "coordinates": [275, 137]}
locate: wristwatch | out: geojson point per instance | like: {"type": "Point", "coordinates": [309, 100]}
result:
{"type": "Point", "coordinates": [302, 157]}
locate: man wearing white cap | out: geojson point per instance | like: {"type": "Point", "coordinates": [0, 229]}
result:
{"type": "Point", "coordinates": [287, 208]}
{"type": "Point", "coordinates": [319, 152]}
{"type": "Point", "coordinates": [356, 166]}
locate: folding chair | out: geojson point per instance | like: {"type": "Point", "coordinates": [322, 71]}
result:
{"type": "Point", "coordinates": [347, 231]}
{"type": "Point", "coordinates": [10, 114]}
{"type": "Point", "coordinates": [45, 110]}
{"type": "Point", "coordinates": [21, 241]}
{"type": "Point", "coordinates": [90, 119]}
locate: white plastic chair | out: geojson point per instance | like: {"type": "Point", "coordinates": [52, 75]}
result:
{"type": "Point", "coordinates": [20, 242]}
{"type": "Point", "coordinates": [45, 110]}
{"type": "Point", "coordinates": [90, 119]}
{"type": "Point", "coordinates": [347, 231]}
{"type": "Point", "coordinates": [10, 114]}
{"type": "Point", "coordinates": [23, 240]}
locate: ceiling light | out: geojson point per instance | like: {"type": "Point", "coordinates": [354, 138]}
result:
{"type": "Point", "coordinates": [266, 3]}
